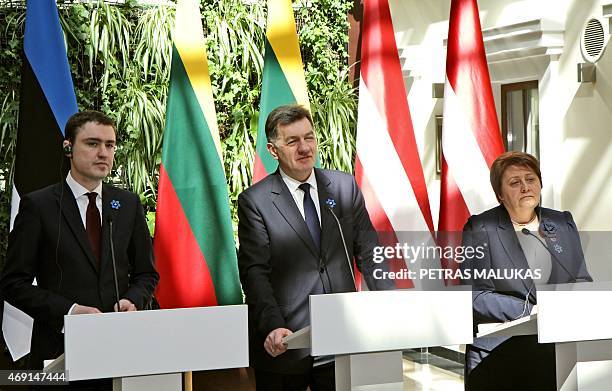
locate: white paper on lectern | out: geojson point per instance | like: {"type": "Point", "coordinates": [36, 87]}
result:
{"type": "Point", "coordinates": [487, 328]}
{"type": "Point", "coordinates": [17, 330]}
{"type": "Point", "coordinates": [526, 325]}
{"type": "Point", "coordinates": [57, 365]}
{"type": "Point", "coordinates": [299, 339]}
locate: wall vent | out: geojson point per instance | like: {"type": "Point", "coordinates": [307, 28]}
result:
{"type": "Point", "coordinates": [593, 40]}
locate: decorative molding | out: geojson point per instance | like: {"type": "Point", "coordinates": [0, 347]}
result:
{"type": "Point", "coordinates": [522, 51]}
{"type": "Point", "coordinates": [533, 43]}
{"type": "Point", "coordinates": [533, 38]}
{"type": "Point", "coordinates": [423, 60]}
{"type": "Point", "coordinates": [411, 58]}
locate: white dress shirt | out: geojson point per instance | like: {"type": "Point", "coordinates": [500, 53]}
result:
{"type": "Point", "coordinates": [298, 197]}
{"type": "Point", "coordinates": [298, 194]}
{"type": "Point", "coordinates": [80, 195]}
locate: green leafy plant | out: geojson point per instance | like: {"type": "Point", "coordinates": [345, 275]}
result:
{"type": "Point", "coordinates": [11, 44]}
{"type": "Point", "coordinates": [120, 56]}
{"type": "Point", "coordinates": [234, 34]}
{"type": "Point", "coordinates": [323, 35]}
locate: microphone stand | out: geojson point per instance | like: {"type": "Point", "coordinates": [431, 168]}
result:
{"type": "Point", "coordinates": [112, 248]}
{"type": "Point", "coordinates": [348, 260]}
{"type": "Point", "coordinates": [525, 231]}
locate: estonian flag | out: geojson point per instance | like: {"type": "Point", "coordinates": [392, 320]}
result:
{"type": "Point", "coordinates": [46, 102]}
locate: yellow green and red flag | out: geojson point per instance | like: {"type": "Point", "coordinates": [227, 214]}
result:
{"type": "Point", "coordinates": [283, 77]}
{"type": "Point", "coordinates": [194, 246]}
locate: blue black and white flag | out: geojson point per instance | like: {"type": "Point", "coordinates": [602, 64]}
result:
{"type": "Point", "coordinates": [46, 101]}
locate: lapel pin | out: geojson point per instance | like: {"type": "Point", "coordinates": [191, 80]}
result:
{"type": "Point", "coordinates": [548, 229]}
{"type": "Point", "coordinates": [115, 204]}
{"type": "Point", "coordinates": [331, 203]}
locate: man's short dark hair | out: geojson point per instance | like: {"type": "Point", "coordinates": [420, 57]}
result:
{"type": "Point", "coordinates": [284, 115]}
{"type": "Point", "coordinates": [76, 122]}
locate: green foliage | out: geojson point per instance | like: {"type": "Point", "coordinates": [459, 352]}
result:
{"type": "Point", "coordinates": [324, 44]}
{"type": "Point", "coordinates": [120, 57]}
{"type": "Point", "coordinates": [123, 55]}
{"type": "Point", "coordinates": [11, 44]}
{"type": "Point", "coordinates": [235, 34]}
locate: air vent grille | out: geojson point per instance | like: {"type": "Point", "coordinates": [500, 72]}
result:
{"type": "Point", "coordinates": [593, 40]}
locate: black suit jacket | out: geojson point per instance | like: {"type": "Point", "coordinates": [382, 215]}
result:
{"type": "Point", "coordinates": [48, 242]}
{"type": "Point", "coordinates": [502, 300]}
{"type": "Point", "coordinates": [280, 266]}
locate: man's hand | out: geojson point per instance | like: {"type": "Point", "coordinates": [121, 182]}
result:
{"type": "Point", "coordinates": [125, 305]}
{"type": "Point", "coordinates": [83, 309]}
{"type": "Point", "coordinates": [274, 341]}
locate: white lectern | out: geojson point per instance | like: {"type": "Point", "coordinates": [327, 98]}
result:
{"type": "Point", "coordinates": [148, 350]}
{"type": "Point", "coordinates": [577, 318]}
{"type": "Point", "coordinates": [367, 331]}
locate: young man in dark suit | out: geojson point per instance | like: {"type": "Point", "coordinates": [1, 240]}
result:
{"type": "Point", "coordinates": [61, 239]}
{"type": "Point", "coordinates": [290, 248]}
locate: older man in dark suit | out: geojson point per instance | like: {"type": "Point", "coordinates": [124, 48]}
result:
{"type": "Point", "coordinates": [61, 238]}
{"type": "Point", "coordinates": [291, 247]}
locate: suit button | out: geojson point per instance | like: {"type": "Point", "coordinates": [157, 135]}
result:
{"type": "Point", "coordinates": [321, 270]}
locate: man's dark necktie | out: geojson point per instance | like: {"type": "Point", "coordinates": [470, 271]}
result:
{"type": "Point", "coordinates": [93, 226]}
{"type": "Point", "coordinates": [310, 215]}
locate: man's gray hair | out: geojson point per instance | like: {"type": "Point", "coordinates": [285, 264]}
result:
{"type": "Point", "coordinates": [284, 115]}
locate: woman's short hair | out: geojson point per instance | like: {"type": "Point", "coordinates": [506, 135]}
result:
{"type": "Point", "coordinates": [511, 158]}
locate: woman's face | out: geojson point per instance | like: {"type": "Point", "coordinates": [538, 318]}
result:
{"type": "Point", "coordinates": [520, 189]}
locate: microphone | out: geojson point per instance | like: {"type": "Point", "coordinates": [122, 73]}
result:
{"type": "Point", "coordinates": [348, 259]}
{"type": "Point", "coordinates": [112, 248]}
{"type": "Point", "coordinates": [525, 231]}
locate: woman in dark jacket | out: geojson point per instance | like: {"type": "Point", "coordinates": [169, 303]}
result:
{"type": "Point", "coordinates": [519, 240]}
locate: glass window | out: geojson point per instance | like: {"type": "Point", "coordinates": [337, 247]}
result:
{"type": "Point", "coordinates": [520, 119]}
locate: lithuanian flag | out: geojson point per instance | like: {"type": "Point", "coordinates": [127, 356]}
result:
{"type": "Point", "coordinates": [283, 77]}
{"type": "Point", "coordinates": [194, 246]}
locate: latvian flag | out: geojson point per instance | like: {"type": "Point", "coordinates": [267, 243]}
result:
{"type": "Point", "coordinates": [471, 139]}
{"type": "Point", "coordinates": [388, 167]}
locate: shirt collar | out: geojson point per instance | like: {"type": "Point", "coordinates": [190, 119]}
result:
{"type": "Point", "coordinates": [78, 190]}
{"type": "Point", "coordinates": [293, 184]}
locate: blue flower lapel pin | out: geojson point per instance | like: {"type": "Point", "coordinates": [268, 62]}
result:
{"type": "Point", "coordinates": [548, 229]}
{"type": "Point", "coordinates": [331, 203]}
{"type": "Point", "coordinates": [115, 204]}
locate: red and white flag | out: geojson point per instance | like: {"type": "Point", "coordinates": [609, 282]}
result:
{"type": "Point", "coordinates": [471, 139]}
{"type": "Point", "coordinates": [387, 167]}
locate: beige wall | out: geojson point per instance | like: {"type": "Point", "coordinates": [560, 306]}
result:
{"type": "Point", "coordinates": [575, 119]}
